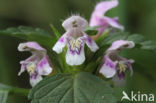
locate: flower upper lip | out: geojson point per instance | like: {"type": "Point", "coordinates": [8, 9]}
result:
{"type": "Point", "coordinates": [98, 17]}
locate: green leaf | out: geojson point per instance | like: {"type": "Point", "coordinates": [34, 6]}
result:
{"type": "Point", "coordinates": [2, 86]}
{"type": "Point", "coordinates": [30, 34]}
{"type": "Point", "coordinates": [3, 93]}
{"type": "Point", "coordinates": [139, 40]}
{"type": "Point", "coordinates": [113, 37]}
{"type": "Point", "coordinates": [67, 88]}
{"type": "Point", "coordinates": [3, 96]}
{"type": "Point", "coordinates": [4, 89]}
{"type": "Point", "coordinates": [57, 34]}
{"type": "Point", "coordinates": [149, 45]}
{"type": "Point", "coordinates": [136, 38]}
{"type": "Point", "coordinates": [91, 30]}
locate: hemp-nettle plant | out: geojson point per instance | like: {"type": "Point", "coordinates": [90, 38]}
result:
{"type": "Point", "coordinates": [81, 65]}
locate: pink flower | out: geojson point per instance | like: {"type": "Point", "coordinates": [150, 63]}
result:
{"type": "Point", "coordinates": [98, 17]}
{"type": "Point", "coordinates": [115, 65]}
{"type": "Point", "coordinates": [75, 38]}
{"type": "Point", "coordinates": [37, 64]}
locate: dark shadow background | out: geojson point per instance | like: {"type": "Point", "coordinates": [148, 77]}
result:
{"type": "Point", "coordinates": [138, 16]}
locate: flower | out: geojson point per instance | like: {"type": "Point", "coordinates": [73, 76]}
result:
{"type": "Point", "coordinates": [37, 64]}
{"type": "Point", "coordinates": [115, 65]}
{"type": "Point", "coordinates": [75, 38]}
{"type": "Point", "coordinates": [99, 19]}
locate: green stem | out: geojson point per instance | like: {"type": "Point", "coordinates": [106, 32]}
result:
{"type": "Point", "coordinates": [19, 91]}
{"type": "Point", "coordinates": [102, 36]}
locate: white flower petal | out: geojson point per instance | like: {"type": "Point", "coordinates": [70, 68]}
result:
{"type": "Point", "coordinates": [46, 70]}
{"type": "Point", "coordinates": [108, 68]}
{"type": "Point", "coordinates": [34, 81]}
{"type": "Point", "coordinates": [75, 59]}
{"type": "Point", "coordinates": [22, 47]}
{"type": "Point", "coordinates": [60, 44]}
{"type": "Point", "coordinates": [91, 44]}
{"type": "Point", "coordinates": [43, 67]}
{"type": "Point", "coordinates": [107, 71]}
{"type": "Point", "coordinates": [23, 68]}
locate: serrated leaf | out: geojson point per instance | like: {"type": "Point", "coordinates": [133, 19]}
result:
{"type": "Point", "coordinates": [139, 40]}
{"type": "Point", "coordinates": [91, 30]}
{"type": "Point", "coordinates": [30, 34]}
{"type": "Point", "coordinates": [136, 38]}
{"type": "Point", "coordinates": [116, 36]}
{"type": "Point", "coordinates": [148, 45]}
{"type": "Point", "coordinates": [66, 88]}
{"type": "Point", "coordinates": [26, 29]}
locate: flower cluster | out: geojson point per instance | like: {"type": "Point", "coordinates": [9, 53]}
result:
{"type": "Point", "coordinates": [113, 65]}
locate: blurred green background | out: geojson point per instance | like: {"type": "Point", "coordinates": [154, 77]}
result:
{"type": "Point", "coordinates": [138, 16]}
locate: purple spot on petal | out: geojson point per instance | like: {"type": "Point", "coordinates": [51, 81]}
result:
{"type": "Point", "coordinates": [120, 75]}
{"type": "Point", "coordinates": [110, 64]}
{"type": "Point", "coordinates": [78, 49]}
{"type": "Point", "coordinates": [89, 39]}
{"type": "Point", "coordinates": [34, 75]}
{"type": "Point", "coordinates": [61, 39]}
{"type": "Point", "coordinates": [43, 62]}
